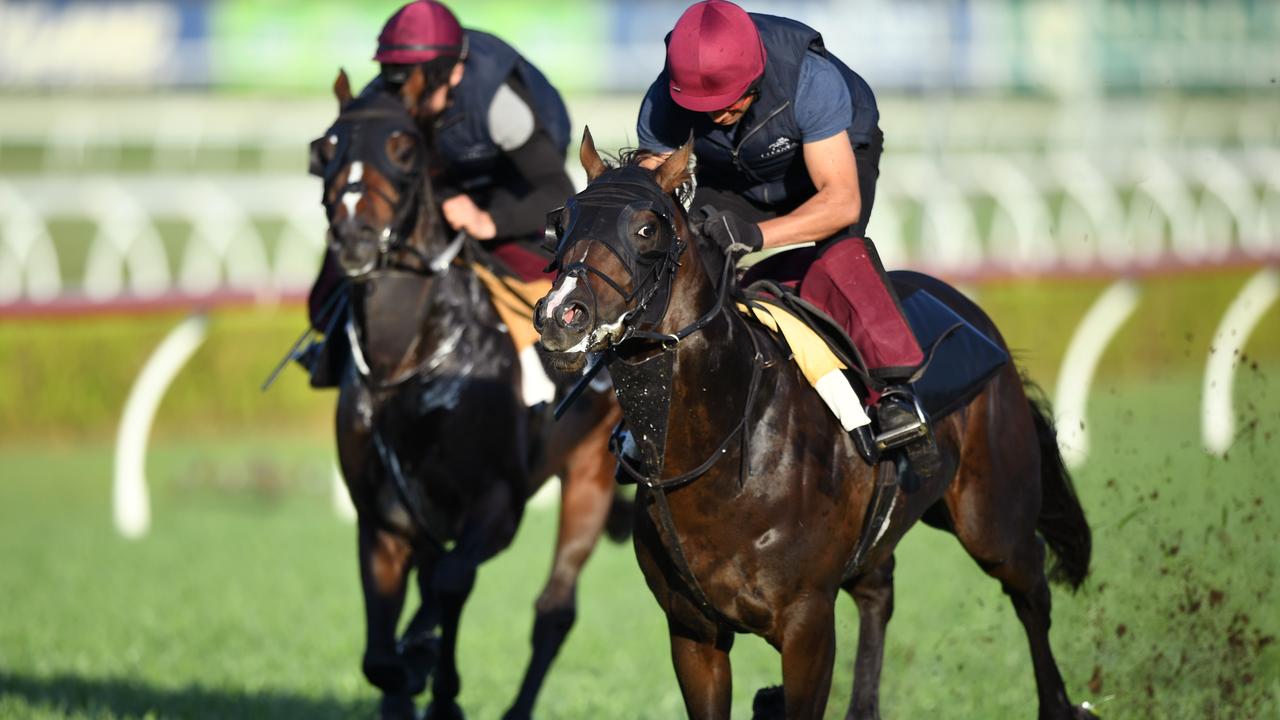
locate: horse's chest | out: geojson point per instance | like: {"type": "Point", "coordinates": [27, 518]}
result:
{"type": "Point", "coordinates": [713, 564]}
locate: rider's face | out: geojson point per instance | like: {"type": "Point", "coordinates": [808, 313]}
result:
{"type": "Point", "coordinates": [438, 100]}
{"type": "Point", "coordinates": [732, 114]}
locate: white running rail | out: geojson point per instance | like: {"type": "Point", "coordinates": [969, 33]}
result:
{"type": "Point", "coordinates": [130, 497]}
{"type": "Point", "coordinates": [1218, 417]}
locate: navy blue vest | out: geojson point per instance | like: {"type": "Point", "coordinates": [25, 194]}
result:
{"type": "Point", "coordinates": [463, 136]}
{"type": "Point", "coordinates": [760, 156]}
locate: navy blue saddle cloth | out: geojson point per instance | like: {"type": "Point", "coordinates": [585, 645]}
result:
{"type": "Point", "coordinates": [965, 358]}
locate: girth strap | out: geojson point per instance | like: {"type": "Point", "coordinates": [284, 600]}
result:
{"type": "Point", "coordinates": [884, 490]}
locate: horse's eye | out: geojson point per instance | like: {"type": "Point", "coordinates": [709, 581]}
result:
{"type": "Point", "coordinates": [647, 231]}
{"type": "Point", "coordinates": [401, 150]}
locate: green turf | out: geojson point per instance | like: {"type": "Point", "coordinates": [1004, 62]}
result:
{"type": "Point", "coordinates": [243, 601]}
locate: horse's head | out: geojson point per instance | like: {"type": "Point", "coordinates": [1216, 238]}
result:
{"type": "Point", "coordinates": [373, 161]}
{"type": "Point", "coordinates": [618, 245]}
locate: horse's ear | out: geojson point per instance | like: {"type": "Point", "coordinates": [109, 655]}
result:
{"type": "Point", "coordinates": [673, 172]}
{"type": "Point", "coordinates": [342, 89]}
{"type": "Point", "coordinates": [412, 90]}
{"type": "Point", "coordinates": [591, 161]}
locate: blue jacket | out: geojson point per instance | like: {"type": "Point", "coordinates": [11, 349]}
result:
{"type": "Point", "coordinates": [463, 136]}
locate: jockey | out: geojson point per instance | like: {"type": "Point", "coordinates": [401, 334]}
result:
{"type": "Point", "coordinates": [501, 131]}
{"type": "Point", "coordinates": [788, 146]}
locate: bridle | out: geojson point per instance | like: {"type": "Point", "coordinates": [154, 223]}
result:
{"type": "Point", "coordinates": [629, 189]}
{"type": "Point", "coordinates": [361, 133]}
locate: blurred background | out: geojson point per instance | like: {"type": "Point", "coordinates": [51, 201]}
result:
{"type": "Point", "coordinates": [1103, 176]}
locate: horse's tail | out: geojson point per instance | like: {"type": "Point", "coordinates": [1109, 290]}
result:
{"type": "Point", "coordinates": [1061, 521]}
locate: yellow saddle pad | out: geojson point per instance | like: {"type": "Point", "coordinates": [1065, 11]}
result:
{"type": "Point", "coordinates": [817, 363]}
{"type": "Point", "coordinates": [514, 300]}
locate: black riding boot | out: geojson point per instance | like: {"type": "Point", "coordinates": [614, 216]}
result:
{"type": "Point", "coordinates": [904, 424]}
{"type": "Point", "coordinates": [622, 445]}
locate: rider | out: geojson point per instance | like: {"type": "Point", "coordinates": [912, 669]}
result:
{"type": "Point", "coordinates": [501, 131]}
{"type": "Point", "coordinates": [788, 146]}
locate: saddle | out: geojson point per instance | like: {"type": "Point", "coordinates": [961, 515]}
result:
{"type": "Point", "coordinates": [959, 357]}
{"type": "Point", "coordinates": [514, 299]}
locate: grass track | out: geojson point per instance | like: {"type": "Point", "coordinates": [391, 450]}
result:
{"type": "Point", "coordinates": [243, 601]}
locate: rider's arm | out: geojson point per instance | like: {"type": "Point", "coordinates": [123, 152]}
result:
{"type": "Point", "coordinates": [835, 206]}
{"type": "Point", "coordinates": [824, 112]}
{"type": "Point", "coordinates": [519, 205]}
{"type": "Point", "coordinates": [519, 202]}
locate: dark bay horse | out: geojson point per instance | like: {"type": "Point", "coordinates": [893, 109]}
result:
{"type": "Point", "coordinates": [752, 495]}
{"type": "Point", "coordinates": [438, 450]}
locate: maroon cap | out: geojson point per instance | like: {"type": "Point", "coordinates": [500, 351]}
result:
{"type": "Point", "coordinates": [420, 31]}
{"type": "Point", "coordinates": [713, 56]}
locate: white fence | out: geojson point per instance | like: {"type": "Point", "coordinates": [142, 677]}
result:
{"type": "Point", "coordinates": [959, 214]}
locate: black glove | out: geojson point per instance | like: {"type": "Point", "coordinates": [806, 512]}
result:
{"type": "Point", "coordinates": [728, 230]}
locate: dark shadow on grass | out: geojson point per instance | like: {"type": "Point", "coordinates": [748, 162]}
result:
{"type": "Point", "coordinates": [68, 694]}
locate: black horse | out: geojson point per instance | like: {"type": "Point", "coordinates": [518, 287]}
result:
{"type": "Point", "coordinates": [754, 497]}
{"type": "Point", "coordinates": [438, 450]}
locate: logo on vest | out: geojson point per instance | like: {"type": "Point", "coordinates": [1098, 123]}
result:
{"type": "Point", "coordinates": [778, 147]}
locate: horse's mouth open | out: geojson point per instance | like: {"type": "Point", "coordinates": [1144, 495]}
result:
{"type": "Point", "coordinates": [572, 315]}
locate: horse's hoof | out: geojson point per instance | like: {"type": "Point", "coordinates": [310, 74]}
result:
{"type": "Point", "coordinates": [396, 707]}
{"type": "Point", "coordinates": [386, 674]}
{"type": "Point", "coordinates": [769, 704]}
{"type": "Point", "coordinates": [420, 658]}
{"type": "Point", "coordinates": [443, 711]}
{"type": "Point", "coordinates": [514, 714]}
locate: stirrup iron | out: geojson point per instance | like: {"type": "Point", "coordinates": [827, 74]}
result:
{"type": "Point", "coordinates": [898, 437]}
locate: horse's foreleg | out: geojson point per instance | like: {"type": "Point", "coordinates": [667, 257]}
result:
{"type": "Point", "coordinates": [872, 591]}
{"type": "Point", "coordinates": [419, 645]}
{"type": "Point", "coordinates": [808, 641]}
{"type": "Point", "coordinates": [586, 495]}
{"type": "Point", "coordinates": [453, 582]}
{"type": "Point", "coordinates": [489, 528]}
{"type": "Point", "coordinates": [705, 676]}
{"type": "Point", "coordinates": [384, 564]}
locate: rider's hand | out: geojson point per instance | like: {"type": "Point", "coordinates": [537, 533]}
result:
{"type": "Point", "coordinates": [461, 213]}
{"type": "Point", "coordinates": [728, 230]}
